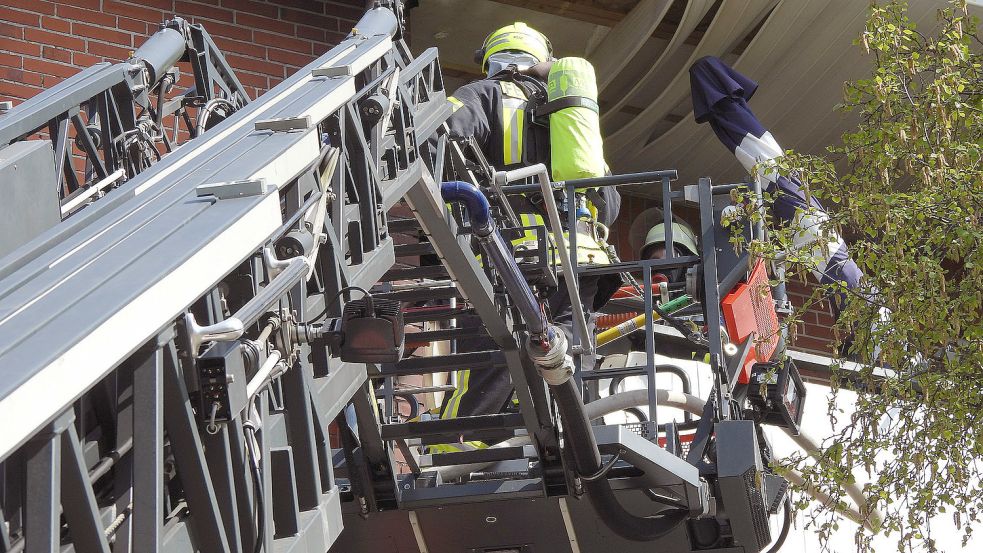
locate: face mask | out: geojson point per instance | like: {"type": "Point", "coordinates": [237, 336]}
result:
{"type": "Point", "coordinates": [501, 61]}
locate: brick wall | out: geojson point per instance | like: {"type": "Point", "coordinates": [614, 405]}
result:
{"type": "Point", "coordinates": [43, 42]}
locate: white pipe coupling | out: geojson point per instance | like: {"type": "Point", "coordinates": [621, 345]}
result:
{"type": "Point", "coordinates": [551, 359]}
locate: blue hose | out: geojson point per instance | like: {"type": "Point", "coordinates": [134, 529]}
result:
{"type": "Point", "coordinates": [497, 252]}
{"type": "Point", "coordinates": [479, 210]}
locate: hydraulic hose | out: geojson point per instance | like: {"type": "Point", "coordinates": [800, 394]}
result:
{"type": "Point", "coordinates": [479, 210]}
{"type": "Point", "coordinates": [587, 461]}
{"type": "Point", "coordinates": [776, 546]}
{"type": "Point", "coordinates": [497, 252]}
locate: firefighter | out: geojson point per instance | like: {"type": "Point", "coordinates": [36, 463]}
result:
{"type": "Point", "coordinates": [684, 243]}
{"type": "Point", "coordinates": [683, 238]}
{"type": "Point", "coordinates": [532, 108]}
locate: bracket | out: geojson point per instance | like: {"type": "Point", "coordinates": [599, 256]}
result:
{"type": "Point", "coordinates": [284, 124]}
{"type": "Point", "coordinates": [234, 189]}
{"type": "Point", "coordinates": [332, 71]}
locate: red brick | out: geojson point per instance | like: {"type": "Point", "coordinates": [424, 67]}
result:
{"type": "Point", "coordinates": [813, 344]}
{"type": "Point", "coordinates": [202, 10]}
{"type": "Point", "coordinates": [11, 30]}
{"type": "Point", "coordinates": [215, 28]}
{"type": "Point", "coordinates": [57, 54]}
{"type": "Point", "coordinates": [279, 41]}
{"type": "Point", "coordinates": [825, 318]}
{"type": "Point", "coordinates": [275, 81]}
{"type": "Point", "coordinates": [111, 51]}
{"type": "Point", "coordinates": [89, 16]}
{"type": "Point", "coordinates": [290, 58]}
{"type": "Point", "coordinates": [249, 6]}
{"type": "Point", "coordinates": [16, 16]}
{"type": "Point", "coordinates": [351, 11]}
{"type": "Point", "coordinates": [80, 59]}
{"type": "Point", "coordinates": [90, 4]}
{"type": "Point", "coordinates": [11, 90]}
{"type": "Point", "coordinates": [227, 45]}
{"type": "Point", "coordinates": [10, 60]}
{"type": "Point", "coordinates": [323, 21]}
{"type": "Point", "coordinates": [265, 23]}
{"type": "Point", "coordinates": [135, 25]}
{"type": "Point", "coordinates": [334, 37]}
{"type": "Point", "coordinates": [20, 76]}
{"type": "Point", "coordinates": [253, 80]}
{"type": "Point", "coordinates": [37, 6]}
{"type": "Point", "coordinates": [312, 33]}
{"type": "Point", "coordinates": [322, 47]}
{"type": "Point", "coordinates": [54, 39]}
{"type": "Point", "coordinates": [256, 66]}
{"type": "Point", "coordinates": [99, 33]}
{"type": "Point", "coordinates": [56, 25]}
{"type": "Point", "coordinates": [20, 47]}
{"type": "Point", "coordinates": [306, 5]}
{"type": "Point", "coordinates": [49, 81]}
{"type": "Point", "coordinates": [166, 5]}
{"type": "Point", "coordinates": [45, 67]}
{"type": "Point", "coordinates": [818, 331]}
{"type": "Point", "coordinates": [140, 12]}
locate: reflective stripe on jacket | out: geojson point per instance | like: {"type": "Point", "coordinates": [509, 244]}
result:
{"type": "Point", "coordinates": [495, 113]}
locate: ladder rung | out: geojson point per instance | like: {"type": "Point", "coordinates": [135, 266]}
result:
{"type": "Point", "coordinates": [444, 363]}
{"type": "Point", "coordinates": [452, 427]}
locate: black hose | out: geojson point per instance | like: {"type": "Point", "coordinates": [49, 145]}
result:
{"type": "Point", "coordinates": [786, 524]}
{"type": "Point", "coordinates": [587, 460]}
{"type": "Point", "coordinates": [250, 434]}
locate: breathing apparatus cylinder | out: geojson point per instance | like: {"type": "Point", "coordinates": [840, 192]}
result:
{"type": "Point", "coordinates": [577, 150]}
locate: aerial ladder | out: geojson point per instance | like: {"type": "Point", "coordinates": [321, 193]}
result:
{"type": "Point", "coordinates": [203, 346]}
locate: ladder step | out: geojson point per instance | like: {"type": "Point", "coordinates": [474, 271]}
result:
{"type": "Point", "coordinates": [409, 250]}
{"type": "Point", "coordinates": [422, 293]}
{"type": "Point", "coordinates": [490, 455]}
{"type": "Point", "coordinates": [403, 225]}
{"type": "Point", "coordinates": [416, 315]}
{"type": "Point", "coordinates": [410, 273]}
{"type": "Point", "coordinates": [452, 428]}
{"type": "Point", "coordinates": [444, 363]}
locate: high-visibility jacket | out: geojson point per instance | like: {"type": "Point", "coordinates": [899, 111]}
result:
{"type": "Point", "coordinates": [497, 114]}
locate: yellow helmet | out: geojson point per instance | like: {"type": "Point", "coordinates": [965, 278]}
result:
{"type": "Point", "coordinates": [682, 236]}
{"type": "Point", "coordinates": [515, 37]}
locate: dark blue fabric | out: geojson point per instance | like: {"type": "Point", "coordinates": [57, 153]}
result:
{"type": "Point", "coordinates": [713, 81]}
{"type": "Point", "coordinates": [720, 96]}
